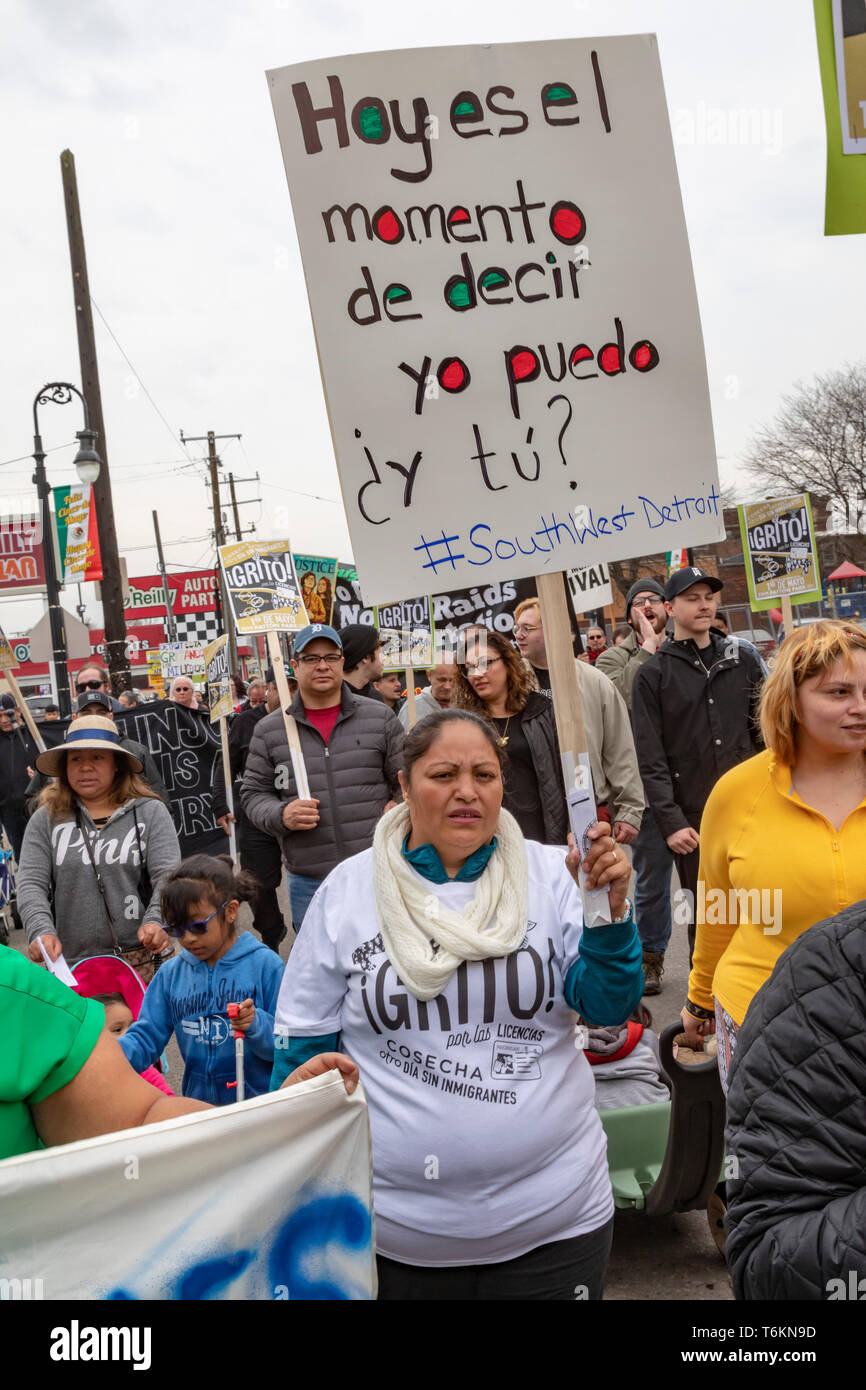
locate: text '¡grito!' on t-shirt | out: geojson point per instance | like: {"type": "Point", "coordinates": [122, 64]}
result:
{"type": "Point", "coordinates": [483, 1086]}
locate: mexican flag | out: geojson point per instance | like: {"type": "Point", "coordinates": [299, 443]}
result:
{"type": "Point", "coordinates": [77, 537]}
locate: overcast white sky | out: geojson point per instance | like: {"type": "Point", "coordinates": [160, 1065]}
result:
{"type": "Point", "coordinates": [193, 258]}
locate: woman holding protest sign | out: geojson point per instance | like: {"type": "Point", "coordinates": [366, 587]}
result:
{"type": "Point", "coordinates": [94, 853]}
{"type": "Point", "coordinates": [495, 682]}
{"type": "Point", "coordinates": [448, 960]}
{"type": "Point", "coordinates": [783, 835]}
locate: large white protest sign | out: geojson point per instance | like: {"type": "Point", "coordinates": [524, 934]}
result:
{"type": "Point", "coordinates": [500, 279]}
{"type": "Point", "coordinates": [265, 1200]}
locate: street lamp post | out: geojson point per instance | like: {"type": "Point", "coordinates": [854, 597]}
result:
{"type": "Point", "coordinates": [87, 463]}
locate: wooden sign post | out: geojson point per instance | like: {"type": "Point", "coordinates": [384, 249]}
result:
{"type": "Point", "coordinates": [264, 596]}
{"type": "Point", "coordinates": [7, 663]}
{"type": "Point", "coordinates": [410, 696]}
{"type": "Point", "coordinates": [571, 733]}
{"type": "Point", "coordinates": [298, 766]}
{"type": "Point", "coordinates": [227, 775]}
{"type": "Point", "coordinates": [220, 702]}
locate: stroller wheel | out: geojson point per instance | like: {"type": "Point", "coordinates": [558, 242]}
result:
{"type": "Point", "coordinates": [716, 1211]}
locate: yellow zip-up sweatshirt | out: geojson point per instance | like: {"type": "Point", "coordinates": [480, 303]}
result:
{"type": "Point", "coordinates": [771, 867]}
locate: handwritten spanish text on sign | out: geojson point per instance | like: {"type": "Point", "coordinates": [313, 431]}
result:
{"type": "Point", "coordinates": [500, 280]}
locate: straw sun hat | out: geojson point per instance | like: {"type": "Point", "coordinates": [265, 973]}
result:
{"type": "Point", "coordinates": [90, 731]}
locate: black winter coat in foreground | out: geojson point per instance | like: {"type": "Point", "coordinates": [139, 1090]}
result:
{"type": "Point", "coordinates": [692, 724]}
{"type": "Point", "coordinates": [797, 1122]}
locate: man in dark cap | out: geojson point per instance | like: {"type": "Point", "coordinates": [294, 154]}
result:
{"type": "Point", "coordinates": [646, 616]}
{"type": "Point", "coordinates": [694, 707]}
{"type": "Point", "coordinates": [652, 861]}
{"type": "Point", "coordinates": [362, 659]}
{"type": "Point", "coordinates": [18, 754]}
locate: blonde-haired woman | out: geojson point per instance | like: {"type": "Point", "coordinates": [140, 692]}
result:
{"type": "Point", "coordinates": [783, 836]}
{"type": "Point", "coordinates": [94, 853]}
{"type": "Point", "coordinates": [495, 682]}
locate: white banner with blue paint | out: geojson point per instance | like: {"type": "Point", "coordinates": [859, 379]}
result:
{"type": "Point", "coordinates": [269, 1199]}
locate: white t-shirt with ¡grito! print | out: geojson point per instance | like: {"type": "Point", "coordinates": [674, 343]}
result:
{"type": "Point", "coordinates": [486, 1140]}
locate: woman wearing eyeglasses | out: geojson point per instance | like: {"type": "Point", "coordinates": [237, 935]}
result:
{"type": "Point", "coordinates": [495, 682]}
{"type": "Point", "coordinates": [94, 853]}
{"type": "Point", "coordinates": [95, 678]}
{"type": "Point", "coordinates": [217, 966]}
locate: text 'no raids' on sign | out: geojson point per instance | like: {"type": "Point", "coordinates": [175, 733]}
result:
{"type": "Point", "coordinates": [500, 280]}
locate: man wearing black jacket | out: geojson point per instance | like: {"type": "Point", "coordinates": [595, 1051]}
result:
{"type": "Point", "coordinates": [18, 754]}
{"type": "Point", "coordinates": [259, 852]}
{"type": "Point", "coordinates": [694, 707]}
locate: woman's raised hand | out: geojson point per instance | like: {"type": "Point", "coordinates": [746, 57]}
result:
{"type": "Point", "coordinates": [605, 865]}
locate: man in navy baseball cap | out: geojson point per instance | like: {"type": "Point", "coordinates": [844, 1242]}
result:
{"type": "Point", "coordinates": [307, 634]}
{"type": "Point", "coordinates": [352, 751]}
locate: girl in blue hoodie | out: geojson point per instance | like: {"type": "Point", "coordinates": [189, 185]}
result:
{"type": "Point", "coordinates": [217, 966]}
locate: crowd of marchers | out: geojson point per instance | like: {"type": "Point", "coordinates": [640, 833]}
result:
{"type": "Point", "coordinates": [438, 946]}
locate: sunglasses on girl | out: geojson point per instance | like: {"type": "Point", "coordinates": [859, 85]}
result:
{"type": "Point", "coordinates": [197, 928]}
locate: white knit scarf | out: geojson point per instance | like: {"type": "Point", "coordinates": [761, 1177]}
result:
{"type": "Point", "coordinates": [424, 939]}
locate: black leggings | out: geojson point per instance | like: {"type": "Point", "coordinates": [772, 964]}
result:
{"type": "Point", "coordinates": [565, 1270]}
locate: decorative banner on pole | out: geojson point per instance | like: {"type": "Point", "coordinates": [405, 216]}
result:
{"type": "Point", "coordinates": [408, 634]}
{"type": "Point", "coordinates": [216, 660]}
{"type": "Point", "coordinates": [263, 587]}
{"type": "Point", "coordinates": [478, 433]}
{"type": "Point", "coordinates": [841, 31]}
{"type": "Point", "coordinates": [317, 575]}
{"type": "Point", "coordinates": [589, 588]}
{"type": "Point", "coordinates": [77, 536]}
{"type": "Point", "coordinates": [780, 552]}
{"type": "Point", "coordinates": [267, 1200]}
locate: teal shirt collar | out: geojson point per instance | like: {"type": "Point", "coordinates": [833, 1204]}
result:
{"type": "Point", "coordinates": [425, 859]}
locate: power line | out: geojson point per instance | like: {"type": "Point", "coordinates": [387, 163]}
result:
{"type": "Point", "coordinates": [114, 338]}
{"type": "Point", "coordinates": [295, 493]}
{"type": "Point", "coordinates": [25, 458]}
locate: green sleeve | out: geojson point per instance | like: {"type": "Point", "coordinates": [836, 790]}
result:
{"type": "Point", "coordinates": [49, 1030]}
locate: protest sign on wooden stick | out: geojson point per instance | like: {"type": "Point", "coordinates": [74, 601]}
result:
{"type": "Point", "coordinates": [295, 752]}
{"type": "Point", "coordinates": [570, 729]}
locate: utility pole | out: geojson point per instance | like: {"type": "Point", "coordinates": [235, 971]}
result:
{"type": "Point", "coordinates": [114, 619]}
{"type": "Point", "coordinates": [219, 532]}
{"type": "Point", "coordinates": [237, 514]}
{"type": "Point", "coordinates": [170, 625]}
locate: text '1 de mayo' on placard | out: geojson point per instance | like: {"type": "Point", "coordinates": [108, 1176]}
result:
{"type": "Point", "coordinates": [780, 551]}
{"type": "Point", "coordinates": [501, 286]}
{"type": "Point", "coordinates": [262, 586]}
